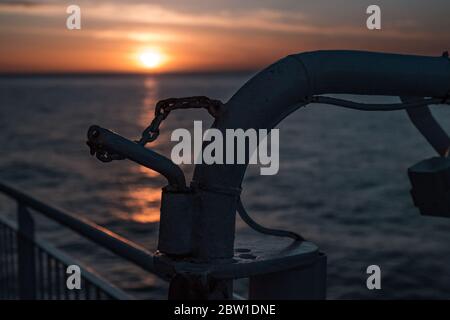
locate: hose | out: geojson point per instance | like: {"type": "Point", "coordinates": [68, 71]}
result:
{"type": "Point", "coordinates": [261, 229]}
{"type": "Point", "coordinates": [377, 107]}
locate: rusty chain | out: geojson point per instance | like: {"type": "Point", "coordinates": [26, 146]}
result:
{"type": "Point", "coordinates": [164, 107]}
{"type": "Point", "coordinates": [162, 110]}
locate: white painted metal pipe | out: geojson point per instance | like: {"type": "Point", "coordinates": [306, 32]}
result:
{"type": "Point", "coordinates": [277, 91]}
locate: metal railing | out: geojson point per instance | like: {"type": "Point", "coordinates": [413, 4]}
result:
{"type": "Point", "coordinates": [30, 268]}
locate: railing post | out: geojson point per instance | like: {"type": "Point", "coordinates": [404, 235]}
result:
{"type": "Point", "coordinates": [25, 253]}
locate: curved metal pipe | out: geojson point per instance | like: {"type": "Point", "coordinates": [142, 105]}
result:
{"type": "Point", "coordinates": [113, 142]}
{"type": "Point", "coordinates": [280, 89]}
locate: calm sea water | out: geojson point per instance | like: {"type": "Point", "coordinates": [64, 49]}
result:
{"type": "Point", "coordinates": [342, 181]}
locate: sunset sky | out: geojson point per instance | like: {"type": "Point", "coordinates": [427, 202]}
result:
{"type": "Point", "coordinates": [207, 35]}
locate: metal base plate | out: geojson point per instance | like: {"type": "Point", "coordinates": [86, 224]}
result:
{"type": "Point", "coordinates": [253, 256]}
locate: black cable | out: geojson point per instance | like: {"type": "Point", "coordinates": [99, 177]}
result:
{"type": "Point", "coordinates": [259, 228]}
{"type": "Point", "coordinates": [347, 104]}
{"type": "Point", "coordinates": [376, 107]}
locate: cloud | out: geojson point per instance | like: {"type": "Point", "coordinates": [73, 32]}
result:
{"type": "Point", "coordinates": [23, 3]}
{"type": "Point", "coordinates": [17, 3]}
{"type": "Point", "coordinates": [30, 8]}
{"type": "Point", "coordinates": [133, 20]}
{"type": "Point", "coordinates": [266, 20]}
{"type": "Point", "coordinates": [136, 35]}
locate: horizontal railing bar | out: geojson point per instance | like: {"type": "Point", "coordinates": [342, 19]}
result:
{"type": "Point", "coordinates": [102, 236]}
{"type": "Point", "coordinates": [87, 273]}
{"type": "Point", "coordinates": [8, 224]}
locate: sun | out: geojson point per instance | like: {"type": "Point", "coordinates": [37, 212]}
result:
{"type": "Point", "coordinates": [151, 59]}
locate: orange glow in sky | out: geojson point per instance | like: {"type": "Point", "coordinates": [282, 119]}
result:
{"type": "Point", "coordinates": [187, 35]}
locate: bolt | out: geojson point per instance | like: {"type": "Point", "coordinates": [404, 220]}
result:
{"type": "Point", "coordinates": [94, 133]}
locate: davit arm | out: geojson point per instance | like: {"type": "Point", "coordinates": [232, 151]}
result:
{"type": "Point", "coordinates": [280, 89]}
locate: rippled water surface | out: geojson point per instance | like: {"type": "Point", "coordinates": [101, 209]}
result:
{"type": "Point", "coordinates": [342, 181]}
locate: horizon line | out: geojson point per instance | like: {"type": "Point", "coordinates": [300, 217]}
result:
{"type": "Point", "coordinates": [122, 73]}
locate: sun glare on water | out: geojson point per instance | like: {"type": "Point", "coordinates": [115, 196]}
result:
{"type": "Point", "coordinates": [151, 59]}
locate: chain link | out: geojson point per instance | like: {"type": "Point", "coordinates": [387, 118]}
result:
{"type": "Point", "coordinates": [162, 110]}
{"type": "Point", "coordinates": [164, 107]}
{"type": "Point", "coordinates": [103, 154]}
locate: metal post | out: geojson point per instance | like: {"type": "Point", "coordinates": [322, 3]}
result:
{"type": "Point", "coordinates": [213, 228]}
{"type": "Point", "coordinates": [25, 251]}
